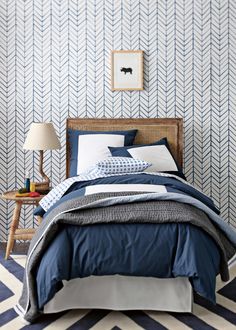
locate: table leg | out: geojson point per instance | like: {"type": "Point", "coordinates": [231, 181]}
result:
{"type": "Point", "coordinates": [14, 226]}
{"type": "Point", "coordinates": [39, 219]}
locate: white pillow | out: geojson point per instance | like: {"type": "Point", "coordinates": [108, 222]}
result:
{"type": "Point", "coordinates": [158, 155]}
{"type": "Point", "coordinates": [99, 144]}
{"type": "Point", "coordinates": [119, 165]}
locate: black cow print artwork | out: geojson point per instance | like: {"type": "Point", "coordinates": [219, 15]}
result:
{"type": "Point", "coordinates": [127, 70]}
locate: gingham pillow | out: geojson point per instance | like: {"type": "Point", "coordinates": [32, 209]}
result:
{"type": "Point", "coordinates": [118, 165]}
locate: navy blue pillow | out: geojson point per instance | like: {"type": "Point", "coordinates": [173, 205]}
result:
{"type": "Point", "coordinates": [123, 152]}
{"type": "Point", "coordinates": [73, 136]}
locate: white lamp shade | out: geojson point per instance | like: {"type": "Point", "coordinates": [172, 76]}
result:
{"type": "Point", "coordinates": [41, 136]}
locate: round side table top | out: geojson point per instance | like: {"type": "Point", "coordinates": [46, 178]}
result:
{"type": "Point", "coordinates": [11, 196]}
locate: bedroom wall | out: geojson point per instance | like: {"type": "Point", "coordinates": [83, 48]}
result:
{"type": "Point", "coordinates": [54, 58]}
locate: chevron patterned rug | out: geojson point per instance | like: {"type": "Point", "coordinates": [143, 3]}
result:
{"type": "Point", "coordinates": [205, 315]}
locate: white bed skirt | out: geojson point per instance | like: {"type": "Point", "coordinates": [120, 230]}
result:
{"type": "Point", "coordinates": [123, 293]}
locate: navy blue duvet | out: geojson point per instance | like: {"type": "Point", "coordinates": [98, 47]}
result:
{"type": "Point", "coordinates": [153, 250]}
{"type": "Point", "coordinates": [164, 251]}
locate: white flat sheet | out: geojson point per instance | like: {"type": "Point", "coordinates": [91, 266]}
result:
{"type": "Point", "coordinates": [124, 187]}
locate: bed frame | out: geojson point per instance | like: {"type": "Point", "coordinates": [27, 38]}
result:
{"type": "Point", "coordinates": [125, 292]}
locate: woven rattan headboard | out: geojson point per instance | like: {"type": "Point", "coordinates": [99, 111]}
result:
{"type": "Point", "coordinates": [149, 130]}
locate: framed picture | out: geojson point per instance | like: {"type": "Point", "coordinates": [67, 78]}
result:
{"type": "Point", "coordinates": [127, 70]}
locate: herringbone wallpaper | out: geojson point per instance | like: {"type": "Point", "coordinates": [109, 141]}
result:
{"type": "Point", "coordinates": [54, 58]}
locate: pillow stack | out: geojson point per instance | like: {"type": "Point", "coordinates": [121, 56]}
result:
{"type": "Point", "coordinates": [90, 147]}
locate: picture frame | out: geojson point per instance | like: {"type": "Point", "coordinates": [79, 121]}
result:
{"type": "Point", "coordinates": [127, 70]}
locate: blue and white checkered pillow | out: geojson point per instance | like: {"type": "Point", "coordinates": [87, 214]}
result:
{"type": "Point", "coordinates": [118, 165]}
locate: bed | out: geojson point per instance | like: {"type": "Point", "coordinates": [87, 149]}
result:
{"type": "Point", "coordinates": [99, 218]}
{"type": "Point", "coordinates": [122, 292]}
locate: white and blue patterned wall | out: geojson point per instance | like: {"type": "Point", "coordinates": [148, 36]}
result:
{"type": "Point", "coordinates": [55, 63]}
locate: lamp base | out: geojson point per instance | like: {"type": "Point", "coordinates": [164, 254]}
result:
{"type": "Point", "coordinates": [42, 187]}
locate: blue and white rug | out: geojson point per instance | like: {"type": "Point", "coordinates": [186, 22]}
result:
{"type": "Point", "coordinates": [205, 315]}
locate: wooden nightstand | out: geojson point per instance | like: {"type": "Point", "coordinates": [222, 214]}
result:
{"type": "Point", "coordinates": [15, 232]}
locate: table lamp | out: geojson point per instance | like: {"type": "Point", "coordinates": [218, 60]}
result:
{"type": "Point", "coordinates": [42, 136]}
